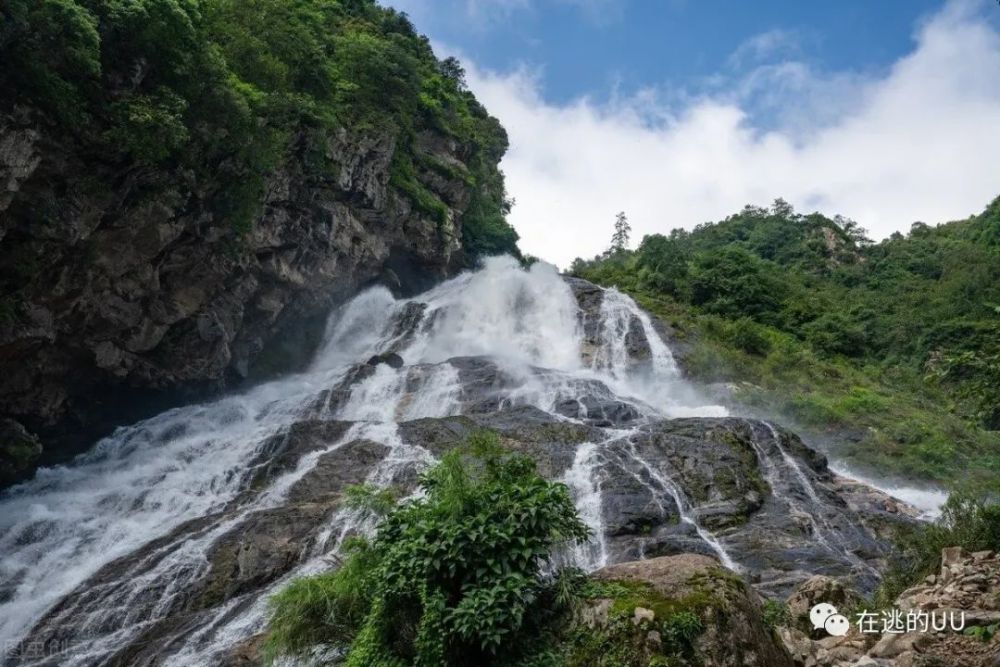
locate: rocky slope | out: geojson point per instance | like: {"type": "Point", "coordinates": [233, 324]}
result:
{"type": "Point", "coordinates": [251, 546]}
{"type": "Point", "coordinates": [968, 584]}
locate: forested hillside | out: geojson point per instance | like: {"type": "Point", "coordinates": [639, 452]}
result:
{"type": "Point", "coordinates": [889, 350]}
{"type": "Point", "coordinates": [221, 86]}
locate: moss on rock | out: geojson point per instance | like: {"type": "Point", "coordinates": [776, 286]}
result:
{"type": "Point", "coordinates": [683, 610]}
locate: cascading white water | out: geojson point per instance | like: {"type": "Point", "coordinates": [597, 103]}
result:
{"type": "Point", "coordinates": [781, 486]}
{"type": "Point", "coordinates": [225, 629]}
{"type": "Point", "coordinates": [793, 465]}
{"type": "Point", "coordinates": [586, 490]}
{"type": "Point", "coordinates": [145, 480]}
{"type": "Point", "coordinates": [616, 319]}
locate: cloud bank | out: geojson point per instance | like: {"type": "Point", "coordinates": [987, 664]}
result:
{"type": "Point", "coordinates": [919, 141]}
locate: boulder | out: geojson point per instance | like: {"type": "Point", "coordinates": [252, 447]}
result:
{"type": "Point", "coordinates": [818, 589]}
{"type": "Point", "coordinates": [390, 359]}
{"type": "Point", "coordinates": [733, 630]}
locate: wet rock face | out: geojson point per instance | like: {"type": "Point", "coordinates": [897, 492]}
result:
{"type": "Point", "coordinates": [779, 519]}
{"type": "Point", "coordinates": [659, 486]}
{"type": "Point", "coordinates": [248, 550]}
{"type": "Point", "coordinates": [124, 294]}
{"type": "Point", "coordinates": [591, 300]}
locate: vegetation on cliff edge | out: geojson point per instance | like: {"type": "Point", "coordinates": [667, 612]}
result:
{"type": "Point", "coordinates": [225, 91]}
{"type": "Point", "coordinates": [891, 350]}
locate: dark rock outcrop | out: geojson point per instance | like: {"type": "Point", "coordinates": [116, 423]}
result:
{"type": "Point", "coordinates": [123, 293]}
{"type": "Point", "coordinates": [390, 359]}
{"type": "Point", "coordinates": [20, 449]}
{"type": "Point", "coordinates": [590, 299]}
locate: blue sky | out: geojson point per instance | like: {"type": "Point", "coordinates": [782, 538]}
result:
{"type": "Point", "coordinates": [592, 47]}
{"type": "Point", "coordinates": [681, 111]}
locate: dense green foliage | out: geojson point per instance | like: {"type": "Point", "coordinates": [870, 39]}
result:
{"type": "Point", "coordinates": [227, 90]}
{"type": "Point", "coordinates": [449, 577]}
{"type": "Point", "coordinates": [891, 350]}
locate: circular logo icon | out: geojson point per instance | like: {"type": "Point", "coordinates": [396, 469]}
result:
{"type": "Point", "coordinates": [819, 613]}
{"type": "Point", "coordinates": [837, 625]}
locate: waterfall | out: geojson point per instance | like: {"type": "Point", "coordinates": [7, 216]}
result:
{"type": "Point", "coordinates": [581, 478]}
{"type": "Point", "coordinates": [791, 485]}
{"type": "Point", "coordinates": [173, 485]}
{"type": "Point", "coordinates": [682, 505]}
{"type": "Point", "coordinates": [226, 629]}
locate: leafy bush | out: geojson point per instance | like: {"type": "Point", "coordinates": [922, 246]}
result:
{"type": "Point", "coordinates": [680, 630]}
{"type": "Point", "coordinates": [449, 577]}
{"type": "Point", "coordinates": [776, 614]}
{"type": "Point", "coordinates": [51, 53]}
{"type": "Point", "coordinates": [833, 333]}
{"type": "Point", "coordinates": [976, 373]}
{"type": "Point", "coordinates": [734, 282]}
{"type": "Point", "coordinates": [151, 127]}
{"type": "Point", "coordinates": [749, 337]}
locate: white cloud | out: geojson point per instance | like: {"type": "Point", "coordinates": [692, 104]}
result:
{"type": "Point", "coordinates": [919, 142]}
{"type": "Point", "coordinates": [764, 45]}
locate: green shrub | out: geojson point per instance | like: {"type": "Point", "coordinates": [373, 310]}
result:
{"type": "Point", "coordinates": [151, 127]}
{"type": "Point", "coordinates": [680, 630]}
{"type": "Point", "coordinates": [861, 400]}
{"type": "Point", "coordinates": [51, 53]}
{"type": "Point", "coordinates": [452, 577]}
{"type": "Point", "coordinates": [325, 608]}
{"type": "Point", "coordinates": [749, 337]}
{"type": "Point", "coordinates": [834, 333]}
{"type": "Point", "coordinates": [734, 283]}
{"type": "Point", "coordinates": [776, 614]}
{"type": "Point", "coordinates": [975, 374]}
